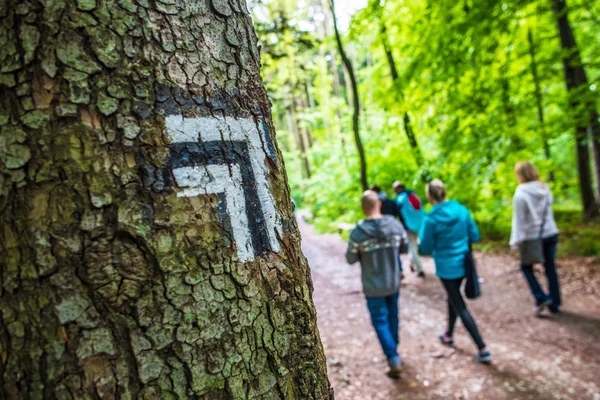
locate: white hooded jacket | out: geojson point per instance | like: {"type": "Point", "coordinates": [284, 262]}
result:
{"type": "Point", "coordinates": [528, 209]}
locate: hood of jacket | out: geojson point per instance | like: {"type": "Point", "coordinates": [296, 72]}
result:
{"type": "Point", "coordinates": [379, 227]}
{"type": "Point", "coordinates": [532, 191]}
{"type": "Point", "coordinates": [447, 213]}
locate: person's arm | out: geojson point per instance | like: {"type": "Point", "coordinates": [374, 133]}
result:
{"type": "Point", "coordinates": [353, 251]}
{"type": "Point", "coordinates": [518, 221]}
{"type": "Point", "coordinates": [474, 235]}
{"type": "Point", "coordinates": [399, 204]}
{"type": "Point", "coordinates": [401, 232]}
{"type": "Point", "coordinates": [426, 241]}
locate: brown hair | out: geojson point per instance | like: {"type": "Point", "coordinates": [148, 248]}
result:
{"type": "Point", "coordinates": [436, 191]}
{"type": "Point", "coordinates": [526, 172]}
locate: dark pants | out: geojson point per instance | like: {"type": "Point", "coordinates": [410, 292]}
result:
{"type": "Point", "coordinates": [385, 320]}
{"type": "Point", "coordinates": [458, 308]}
{"type": "Point", "coordinates": [540, 296]}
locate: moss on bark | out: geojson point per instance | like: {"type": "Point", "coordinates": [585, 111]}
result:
{"type": "Point", "coordinates": [112, 285]}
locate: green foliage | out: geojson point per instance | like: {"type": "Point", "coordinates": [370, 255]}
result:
{"type": "Point", "coordinates": [464, 79]}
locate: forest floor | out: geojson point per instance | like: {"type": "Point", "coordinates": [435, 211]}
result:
{"type": "Point", "coordinates": [534, 358]}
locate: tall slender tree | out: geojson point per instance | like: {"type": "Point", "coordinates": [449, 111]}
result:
{"type": "Point", "coordinates": [539, 102]}
{"type": "Point", "coordinates": [355, 100]}
{"type": "Point", "coordinates": [587, 127]}
{"type": "Point", "coordinates": [389, 55]}
{"type": "Point", "coordinates": [147, 244]}
{"type": "Point", "coordinates": [301, 140]}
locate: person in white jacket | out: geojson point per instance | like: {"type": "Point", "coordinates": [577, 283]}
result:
{"type": "Point", "coordinates": [532, 213]}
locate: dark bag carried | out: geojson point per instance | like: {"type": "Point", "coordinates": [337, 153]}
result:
{"type": "Point", "coordinates": [532, 251]}
{"type": "Point", "coordinates": [472, 289]}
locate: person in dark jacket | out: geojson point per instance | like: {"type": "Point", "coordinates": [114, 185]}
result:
{"type": "Point", "coordinates": [447, 232]}
{"type": "Point", "coordinates": [388, 207]}
{"type": "Point", "coordinates": [375, 242]}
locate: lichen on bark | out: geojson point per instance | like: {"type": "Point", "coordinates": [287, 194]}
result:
{"type": "Point", "coordinates": [111, 284]}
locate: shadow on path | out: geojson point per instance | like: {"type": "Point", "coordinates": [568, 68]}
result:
{"type": "Point", "coordinates": [586, 324]}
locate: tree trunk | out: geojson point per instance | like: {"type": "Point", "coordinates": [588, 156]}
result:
{"type": "Point", "coordinates": [300, 142]}
{"type": "Point", "coordinates": [355, 101]}
{"type": "Point", "coordinates": [576, 79]}
{"type": "Point", "coordinates": [293, 135]}
{"type": "Point", "coordinates": [593, 129]}
{"type": "Point", "coordinates": [387, 48]}
{"type": "Point", "coordinates": [509, 109]}
{"type": "Point", "coordinates": [412, 140]}
{"type": "Point", "coordinates": [147, 244]}
{"type": "Point", "coordinates": [306, 133]}
{"type": "Point", "coordinates": [539, 100]}
{"type": "Point", "coordinates": [310, 100]}
{"type": "Point", "coordinates": [347, 81]}
{"type": "Point", "coordinates": [408, 130]}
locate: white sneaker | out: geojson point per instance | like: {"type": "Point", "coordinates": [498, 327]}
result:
{"type": "Point", "coordinates": [538, 309]}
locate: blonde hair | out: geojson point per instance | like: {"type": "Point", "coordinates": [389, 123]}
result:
{"type": "Point", "coordinates": [436, 191]}
{"type": "Point", "coordinates": [526, 172]}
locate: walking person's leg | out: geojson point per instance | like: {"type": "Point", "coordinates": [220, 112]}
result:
{"type": "Point", "coordinates": [394, 316]}
{"type": "Point", "coordinates": [550, 245]}
{"type": "Point", "coordinates": [413, 254]}
{"type": "Point", "coordinates": [541, 298]}
{"type": "Point", "coordinates": [454, 296]}
{"type": "Point", "coordinates": [378, 309]}
{"type": "Point", "coordinates": [400, 265]}
{"type": "Point", "coordinates": [446, 337]}
{"type": "Point", "coordinates": [451, 319]}
{"type": "Point", "coordinates": [411, 246]}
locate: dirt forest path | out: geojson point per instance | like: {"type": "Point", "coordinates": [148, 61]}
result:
{"type": "Point", "coordinates": [551, 358]}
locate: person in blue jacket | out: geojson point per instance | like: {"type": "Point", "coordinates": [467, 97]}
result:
{"type": "Point", "coordinates": [446, 234]}
{"type": "Point", "coordinates": [411, 214]}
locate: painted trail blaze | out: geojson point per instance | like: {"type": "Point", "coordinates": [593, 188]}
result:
{"type": "Point", "coordinates": [226, 156]}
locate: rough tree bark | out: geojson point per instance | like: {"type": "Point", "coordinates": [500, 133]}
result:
{"type": "Point", "coordinates": [147, 244]}
{"type": "Point", "coordinates": [355, 100]}
{"type": "Point", "coordinates": [586, 128]}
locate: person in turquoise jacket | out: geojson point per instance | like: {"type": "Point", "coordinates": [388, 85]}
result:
{"type": "Point", "coordinates": [447, 233]}
{"type": "Point", "coordinates": [411, 214]}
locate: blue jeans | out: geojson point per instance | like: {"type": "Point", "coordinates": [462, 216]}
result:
{"type": "Point", "coordinates": [540, 296]}
{"type": "Point", "coordinates": [385, 320]}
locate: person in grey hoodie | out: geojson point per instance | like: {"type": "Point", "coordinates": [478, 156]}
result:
{"type": "Point", "coordinates": [375, 242]}
{"type": "Point", "coordinates": [532, 212]}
